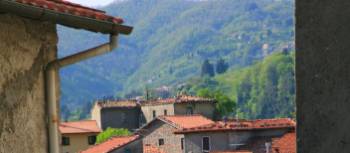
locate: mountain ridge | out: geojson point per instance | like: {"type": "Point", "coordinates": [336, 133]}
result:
{"type": "Point", "coordinates": [170, 41]}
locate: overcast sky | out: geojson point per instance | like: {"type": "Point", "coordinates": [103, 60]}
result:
{"type": "Point", "coordinates": [92, 2]}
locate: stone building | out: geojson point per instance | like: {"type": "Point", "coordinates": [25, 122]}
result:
{"type": "Point", "coordinates": [160, 131]}
{"type": "Point", "coordinates": [78, 136]}
{"type": "Point", "coordinates": [255, 136]}
{"type": "Point", "coordinates": [180, 105]}
{"type": "Point", "coordinates": [121, 114]}
{"type": "Point", "coordinates": [132, 114]}
{"type": "Point", "coordinates": [118, 144]}
{"type": "Point", "coordinates": [28, 54]}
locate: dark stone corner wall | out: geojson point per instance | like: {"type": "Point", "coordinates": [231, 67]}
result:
{"type": "Point", "coordinates": [26, 46]}
{"type": "Point", "coordinates": [323, 75]}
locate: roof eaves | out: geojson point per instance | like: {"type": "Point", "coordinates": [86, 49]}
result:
{"type": "Point", "coordinates": [79, 22]}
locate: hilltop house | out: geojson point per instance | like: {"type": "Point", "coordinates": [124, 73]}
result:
{"type": "Point", "coordinates": [78, 136]}
{"type": "Point", "coordinates": [255, 136]}
{"type": "Point", "coordinates": [180, 105]}
{"type": "Point", "coordinates": [160, 131]}
{"type": "Point", "coordinates": [121, 114]}
{"type": "Point", "coordinates": [29, 79]}
{"type": "Point", "coordinates": [133, 114]}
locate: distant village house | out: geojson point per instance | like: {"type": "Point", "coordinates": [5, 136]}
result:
{"type": "Point", "coordinates": [255, 136]}
{"type": "Point", "coordinates": [78, 136]}
{"type": "Point", "coordinates": [160, 131]}
{"type": "Point", "coordinates": [132, 114]}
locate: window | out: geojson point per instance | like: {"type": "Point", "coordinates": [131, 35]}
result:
{"type": "Point", "coordinates": [92, 140]}
{"type": "Point", "coordinates": [165, 112]}
{"type": "Point", "coordinates": [65, 141]}
{"type": "Point", "coordinates": [127, 150]}
{"type": "Point", "coordinates": [206, 144]}
{"type": "Point", "coordinates": [189, 111]}
{"type": "Point", "coordinates": [161, 142]}
{"type": "Point", "coordinates": [154, 114]}
{"type": "Point", "coordinates": [182, 143]}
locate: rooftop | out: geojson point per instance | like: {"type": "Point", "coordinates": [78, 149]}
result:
{"type": "Point", "coordinates": [285, 144]}
{"type": "Point", "coordinates": [111, 144]}
{"type": "Point", "coordinates": [116, 104]}
{"type": "Point", "coordinates": [235, 125]}
{"type": "Point", "coordinates": [87, 126]}
{"type": "Point", "coordinates": [235, 151]}
{"type": "Point", "coordinates": [66, 13]}
{"type": "Point", "coordinates": [179, 99]}
{"type": "Point", "coordinates": [186, 121]}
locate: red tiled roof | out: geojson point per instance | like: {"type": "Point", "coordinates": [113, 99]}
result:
{"type": "Point", "coordinates": [243, 125]}
{"type": "Point", "coordinates": [116, 104]}
{"type": "Point", "coordinates": [179, 99]}
{"type": "Point", "coordinates": [285, 144]}
{"type": "Point", "coordinates": [62, 6]}
{"type": "Point", "coordinates": [111, 144]}
{"type": "Point", "coordinates": [186, 121]}
{"type": "Point", "coordinates": [151, 149]}
{"type": "Point", "coordinates": [87, 126]}
{"type": "Point", "coordinates": [235, 151]}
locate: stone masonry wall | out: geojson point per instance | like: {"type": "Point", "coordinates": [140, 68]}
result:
{"type": "Point", "coordinates": [25, 48]}
{"type": "Point", "coordinates": [160, 130]}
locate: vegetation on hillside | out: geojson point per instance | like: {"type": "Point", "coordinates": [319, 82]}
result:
{"type": "Point", "coordinates": [111, 132]}
{"type": "Point", "coordinates": [170, 41]}
{"type": "Point", "coordinates": [264, 90]}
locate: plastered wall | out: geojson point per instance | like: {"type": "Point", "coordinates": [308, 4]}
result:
{"type": "Point", "coordinates": [25, 47]}
{"type": "Point", "coordinates": [323, 75]}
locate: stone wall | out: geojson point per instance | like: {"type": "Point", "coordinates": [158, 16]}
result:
{"type": "Point", "coordinates": [120, 117]}
{"type": "Point", "coordinates": [25, 48]}
{"type": "Point", "coordinates": [220, 141]}
{"type": "Point", "coordinates": [160, 130]}
{"type": "Point", "coordinates": [323, 76]}
{"type": "Point", "coordinates": [96, 114]}
{"type": "Point", "coordinates": [147, 110]}
{"type": "Point", "coordinates": [205, 109]}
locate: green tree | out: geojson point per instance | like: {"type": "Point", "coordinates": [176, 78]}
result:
{"type": "Point", "coordinates": [224, 106]}
{"type": "Point", "coordinates": [111, 132]}
{"type": "Point", "coordinates": [221, 66]}
{"type": "Point", "coordinates": [207, 69]}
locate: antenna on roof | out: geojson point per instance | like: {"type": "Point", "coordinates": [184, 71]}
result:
{"type": "Point", "coordinates": [225, 119]}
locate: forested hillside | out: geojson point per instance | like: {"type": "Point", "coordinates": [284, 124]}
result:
{"type": "Point", "coordinates": [170, 41]}
{"type": "Point", "coordinates": [264, 90]}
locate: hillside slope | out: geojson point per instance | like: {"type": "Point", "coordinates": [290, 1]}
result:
{"type": "Point", "coordinates": [170, 41]}
{"type": "Point", "coordinates": [263, 90]}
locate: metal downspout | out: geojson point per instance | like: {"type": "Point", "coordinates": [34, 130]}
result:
{"type": "Point", "coordinates": [51, 72]}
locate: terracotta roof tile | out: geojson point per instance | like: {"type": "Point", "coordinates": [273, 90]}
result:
{"type": "Point", "coordinates": [235, 151]}
{"type": "Point", "coordinates": [62, 6]}
{"type": "Point", "coordinates": [111, 144]}
{"type": "Point", "coordinates": [179, 99]}
{"type": "Point", "coordinates": [87, 126]}
{"type": "Point", "coordinates": [187, 121]}
{"type": "Point", "coordinates": [285, 144]}
{"type": "Point", "coordinates": [115, 104]}
{"type": "Point", "coordinates": [147, 148]}
{"type": "Point", "coordinates": [243, 125]}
